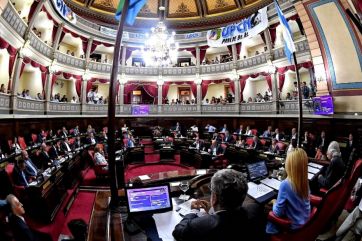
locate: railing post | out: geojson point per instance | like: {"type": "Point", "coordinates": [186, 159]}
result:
{"type": "Point", "coordinates": [48, 90]}
{"type": "Point", "coordinates": [84, 96]}
{"type": "Point", "coordinates": [15, 81]}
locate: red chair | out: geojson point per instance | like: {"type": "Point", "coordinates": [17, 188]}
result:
{"type": "Point", "coordinates": [249, 141]}
{"type": "Point", "coordinates": [71, 131]}
{"type": "Point", "coordinates": [254, 132]}
{"type": "Point", "coordinates": [71, 141]}
{"type": "Point", "coordinates": [34, 138]}
{"type": "Point", "coordinates": [99, 170]}
{"type": "Point", "coordinates": [22, 143]}
{"type": "Point", "coordinates": [18, 190]}
{"type": "Point", "coordinates": [125, 143]}
{"type": "Point", "coordinates": [281, 145]}
{"type": "Point", "coordinates": [262, 142]}
{"type": "Point", "coordinates": [329, 208]}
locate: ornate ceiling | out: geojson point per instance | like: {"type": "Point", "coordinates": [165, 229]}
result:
{"type": "Point", "coordinates": [182, 15]}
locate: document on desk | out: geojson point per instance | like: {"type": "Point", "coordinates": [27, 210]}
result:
{"type": "Point", "coordinates": [310, 176]}
{"type": "Point", "coordinates": [258, 190]}
{"type": "Point", "coordinates": [313, 170]}
{"type": "Point", "coordinates": [144, 177]}
{"type": "Point", "coordinates": [271, 182]}
{"type": "Point", "coordinates": [315, 165]}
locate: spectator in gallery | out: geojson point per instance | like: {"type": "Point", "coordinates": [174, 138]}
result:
{"type": "Point", "coordinates": [305, 90]}
{"type": "Point", "coordinates": [2, 88]}
{"type": "Point", "coordinates": [39, 97]}
{"type": "Point", "coordinates": [288, 97]}
{"type": "Point", "coordinates": [74, 100]}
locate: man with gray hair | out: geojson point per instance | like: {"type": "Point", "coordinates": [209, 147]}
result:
{"type": "Point", "coordinates": [335, 169]}
{"type": "Point", "coordinates": [228, 220]}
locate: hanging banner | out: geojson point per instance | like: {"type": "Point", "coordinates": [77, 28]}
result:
{"type": "Point", "coordinates": [113, 33]}
{"type": "Point", "coordinates": [237, 32]}
{"type": "Point", "coordinates": [65, 11]}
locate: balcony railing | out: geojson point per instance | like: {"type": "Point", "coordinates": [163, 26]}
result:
{"type": "Point", "coordinates": [217, 68]}
{"type": "Point", "coordinates": [29, 106]}
{"type": "Point", "coordinates": [64, 108]}
{"type": "Point", "coordinates": [40, 46]}
{"type": "Point", "coordinates": [69, 60]}
{"type": "Point", "coordinates": [177, 71]}
{"type": "Point", "coordinates": [258, 108]}
{"type": "Point", "coordinates": [13, 19]}
{"type": "Point", "coordinates": [252, 61]}
{"type": "Point", "coordinates": [99, 67]}
{"type": "Point", "coordinates": [93, 109]}
{"type": "Point", "coordinates": [4, 103]}
{"type": "Point", "coordinates": [143, 71]}
{"type": "Point", "coordinates": [292, 107]}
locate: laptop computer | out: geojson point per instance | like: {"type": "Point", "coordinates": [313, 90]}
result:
{"type": "Point", "coordinates": [257, 171]}
{"type": "Point", "coordinates": [149, 199]}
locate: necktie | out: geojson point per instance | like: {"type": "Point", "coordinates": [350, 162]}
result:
{"type": "Point", "coordinates": [28, 163]}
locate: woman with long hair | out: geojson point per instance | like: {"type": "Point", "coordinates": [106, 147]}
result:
{"type": "Point", "coordinates": [293, 197]}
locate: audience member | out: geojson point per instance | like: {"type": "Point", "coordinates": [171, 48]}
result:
{"type": "Point", "coordinates": [293, 196]}
{"type": "Point", "coordinates": [228, 220]}
{"type": "Point", "coordinates": [19, 174]}
{"type": "Point", "coordinates": [268, 132]}
{"type": "Point", "coordinates": [2, 88]}
{"type": "Point", "coordinates": [31, 170]}
{"type": "Point", "coordinates": [99, 158]}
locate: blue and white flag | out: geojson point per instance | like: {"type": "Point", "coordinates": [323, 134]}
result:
{"type": "Point", "coordinates": [287, 34]}
{"type": "Point", "coordinates": [134, 7]}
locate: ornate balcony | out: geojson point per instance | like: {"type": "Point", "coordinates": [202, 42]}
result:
{"type": "Point", "coordinates": [13, 19]}
{"type": "Point", "coordinates": [292, 107]}
{"type": "Point", "coordinates": [220, 109]}
{"type": "Point", "coordinates": [4, 103]}
{"type": "Point", "coordinates": [92, 109]}
{"type": "Point", "coordinates": [142, 71]}
{"type": "Point", "coordinates": [40, 46]}
{"type": "Point", "coordinates": [69, 60]}
{"type": "Point", "coordinates": [252, 61]}
{"type": "Point", "coordinates": [29, 106]}
{"type": "Point", "coordinates": [257, 108]}
{"type": "Point", "coordinates": [99, 67]}
{"type": "Point", "coordinates": [64, 109]}
{"type": "Point", "coordinates": [177, 71]}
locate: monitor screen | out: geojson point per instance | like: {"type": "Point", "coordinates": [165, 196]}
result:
{"type": "Point", "coordinates": [257, 170]}
{"type": "Point", "coordinates": [140, 109]}
{"type": "Point", "coordinates": [323, 105]}
{"type": "Point", "coordinates": [150, 199]}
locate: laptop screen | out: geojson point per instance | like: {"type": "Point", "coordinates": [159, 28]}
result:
{"type": "Point", "coordinates": [257, 170]}
{"type": "Point", "coordinates": [151, 199]}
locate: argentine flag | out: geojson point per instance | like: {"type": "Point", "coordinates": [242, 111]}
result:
{"type": "Point", "coordinates": [287, 34]}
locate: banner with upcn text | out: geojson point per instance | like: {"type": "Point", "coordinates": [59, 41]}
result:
{"type": "Point", "coordinates": [65, 11]}
{"type": "Point", "coordinates": [237, 32]}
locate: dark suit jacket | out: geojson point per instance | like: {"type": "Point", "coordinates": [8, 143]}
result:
{"type": "Point", "coordinates": [319, 143]}
{"type": "Point", "coordinates": [333, 173]}
{"type": "Point", "coordinates": [201, 145]}
{"type": "Point", "coordinates": [229, 139]}
{"type": "Point", "coordinates": [20, 229]}
{"type": "Point", "coordinates": [18, 178]}
{"type": "Point", "coordinates": [224, 225]}
{"type": "Point", "coordinates": [54, 152]}
{"type": "Point", "coordinates": [29, 171]}
{"type": "Point", "coordinates": [64, 147]}
{"type": "Point", "coordinates": [43, 160]}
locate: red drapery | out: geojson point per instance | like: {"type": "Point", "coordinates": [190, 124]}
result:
{"type": "Point", "coordinates": [32, 10]}
{"type": "Point", "coordinates": [165, 88]}
{"type": "Point", "coordinates": [262, 35]}
{"type": "Point", "coordinates": [77, 82]}
{"type": "Point", "coordinates": [242, 80]}
{"type": "Point", "coordinates": [43, 70]}
{"type": "Point", "coordinates": [151, 90]}
{"type": "Point", "coordinates": [78, 86]}
{"type": "Point", "coordinates": [12, 55]}
{"type": "Point", "coordinates": [282, 70]}
{"type": "Point", "coordinates": [128, 88]}
{"type": "Point", "coordinates": [232, 86]}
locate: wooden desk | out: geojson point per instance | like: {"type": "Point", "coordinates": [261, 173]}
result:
{"type": "Point", "coordinates": [167, 154]}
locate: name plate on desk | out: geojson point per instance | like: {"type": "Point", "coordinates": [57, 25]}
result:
{"type": "Point", "coordinates": [46, 185]}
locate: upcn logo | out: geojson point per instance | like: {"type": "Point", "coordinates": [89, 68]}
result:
{"type": "Point", "coordinates": [215, 34]}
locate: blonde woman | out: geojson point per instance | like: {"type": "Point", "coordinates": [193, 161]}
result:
{"type": "Point", "coordinates": [293, 197]}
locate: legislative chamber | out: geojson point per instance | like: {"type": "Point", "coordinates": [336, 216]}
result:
{"type": "Point", "coordinates": [135, 120]}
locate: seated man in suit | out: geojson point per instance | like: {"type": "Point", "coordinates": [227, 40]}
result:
{"type": "Point", "coordinates": [215, 150]}
{"type": "Point", "coordinates": [274, 148]}
{"type": "Point", "coordinates": [44, 159]}
{"type": "Point", "coordinates": [226, 218]}
{"type": "Point", "coordinates": [65, 146]}
{"type": "Point", "coordinates": [277, 135]}
{"type": "Point", "coordinates": [19, 176]}
{"type": "Point", "coordinates": [31, 170]}
{"type": "Point", "coordinates": [240, 131]}
{"type": "Point", "coordinates": [198, 144]}
{"type": "Point", "coordinates": [224, 128]}
{"type": "Point", "coordinates": [55, 151]}
{"type": "Point", "coordinates": [90, 139]}
{"type": "Point", "coordinates": [20, 229]}
{"type": "Point", "coordinates": [229, 138]}
{"type": "Point", "coordinates": [77, 143]}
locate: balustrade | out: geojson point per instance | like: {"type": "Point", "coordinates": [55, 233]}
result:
{"type": "Point", "coordinates": [4, 103]}
{"type": "Point", "coordinates": [29, 106]}
{"type": "Point", "coordinates": [64, 108]}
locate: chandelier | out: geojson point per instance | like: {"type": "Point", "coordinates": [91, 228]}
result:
{"type": "Point", "coordinates": [160, 48]}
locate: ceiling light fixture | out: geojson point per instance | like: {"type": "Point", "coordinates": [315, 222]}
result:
{"type": "Point", "coordinates": [160, 49]}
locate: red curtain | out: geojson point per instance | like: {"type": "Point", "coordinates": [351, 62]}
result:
{"type": "Point", "coordinates": [281, 81]}
{"type": "Point", "coordinates": [165, 88]}
{"type": "Point", "coordinates": [32, 10]}
{"type": "Point", "coordinates": [273, 32]}
{"type": "Point", "coordinates": [262, 35]}
{"type": "Point", "coordinates": [204, 87]}
{"type": "Point", "coordinates": [54, 78]}
{"type": "Point", "coordinates": [238, 49]}
{"type": "Point", "coordinates": [269, 81]}
{"type": "Point", "coordinates": [282, 70]}
{"type": "Point", "coordinates": [54, 32]}
{"type": "Point", "coordinates": [194, 89]}
{"type": "Point", "coordinates": [203, 53]}
{"type": "Point", "coordinates": [78, 86]}
{"type": "Point", "coordinates": [232, 86]}
{"type": "Point", "coordinates": [12, 55]}
{"type": "Point", "coordinates": [89, 86]}
{"type": "Point", "coordinates": [243, 79]}
{"type": "Point", "coordinates": [230, 48]}
{"type": "Point", "coordinates": [128, 88]}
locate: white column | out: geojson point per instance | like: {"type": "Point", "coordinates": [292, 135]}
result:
{"type": "Point", "coordinates": [84, 96]}
{"type": "Point", "coordinates": [198, 60]}
{"type": "Point", "coordinates": [57, 36]}
{"type": "Point", "coordinates": [15, 80]}
{"type": "Point", "coordinates": [48, 90]}
{"type": "Point", "coordinates": [88, 52]}
{"type": "Point", "coordinates": [159, 94]}
{"type": "Point", "coordinates": [121, 93]}
{"type": "Point", "coordinates": [124, 51]}
{"type": "Point", "coordinates": [36, 13]}
{"type": "Point", "coordinates": [237, 90]}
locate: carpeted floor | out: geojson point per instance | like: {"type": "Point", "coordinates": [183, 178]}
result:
{"type": "Point", "coordinates": [80, 209]}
